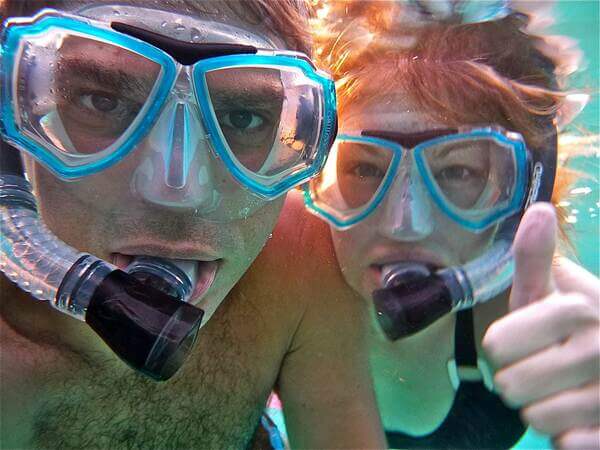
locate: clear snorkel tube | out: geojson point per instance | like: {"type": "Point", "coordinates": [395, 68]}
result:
{"type": "Point", "coordinates": [141, 315]}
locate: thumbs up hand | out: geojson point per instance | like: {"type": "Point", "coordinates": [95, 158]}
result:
{"type": "Point", "coordinates": [547, 349]}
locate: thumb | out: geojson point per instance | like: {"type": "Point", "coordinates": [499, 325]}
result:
{"type": "Point", "coordinates": [533, 250]}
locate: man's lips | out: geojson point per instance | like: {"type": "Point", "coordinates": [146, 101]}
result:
{"type": "Point", "coordinates": [205, 272]}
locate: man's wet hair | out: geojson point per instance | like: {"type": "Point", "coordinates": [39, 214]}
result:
{"type": "Point", "coordinates": [285, 18]}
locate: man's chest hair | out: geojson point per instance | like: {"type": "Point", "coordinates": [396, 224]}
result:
{"type": "Point", "coordinates": [215, 402]}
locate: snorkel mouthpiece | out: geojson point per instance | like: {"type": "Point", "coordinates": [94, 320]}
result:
{"type": "Point", "coordinates": [149, 329]}
{"type": "Point", "coordinates": [412, 298]}
{"type": "Point", "coordinates": [414, 295]}
{"type": "Point", "coordinates": [140, 314]}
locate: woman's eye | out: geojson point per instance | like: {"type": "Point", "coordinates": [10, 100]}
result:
{"type": "Point", "coordinates": [366, 170]}
{"type": "Point", "coordinates": [456, 174]}
{"type": "Point", "coordinates": [242, 120]}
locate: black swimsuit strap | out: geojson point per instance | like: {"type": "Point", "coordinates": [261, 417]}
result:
{"type": "Point", "coordinates": [477, 419]}
{"type": "Point", "coordinates": [465, 350]}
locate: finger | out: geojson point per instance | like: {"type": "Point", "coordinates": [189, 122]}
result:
{"type": "Point", "coordinates": [554, 369]}
{"type": "Point", "coordinates": [533, 249]}
{"type": "Point", "coordinates": [575, 408]}
{"type": "Point", "coordinates": [537, 326]}
{"type": "Point", "coordinates": [571, 277]}
{"type": "Point", "coordinates": [580, 439]}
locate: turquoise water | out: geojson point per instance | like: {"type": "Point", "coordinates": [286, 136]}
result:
{"type": "Point", "coordinates": [579, 19]}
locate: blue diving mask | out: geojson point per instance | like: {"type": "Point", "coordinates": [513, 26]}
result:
{"type": "Point", "coordinates": [165, 114]}
{"type": "Point", "coordinates": [481, 179]}
{"type": "Point", "coordinates": [184, 114]}
{"type": "Point", "coordinates": [475, 176]}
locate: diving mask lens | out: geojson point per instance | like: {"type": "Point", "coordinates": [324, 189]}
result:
{"type": "Point", "coordinates": [78, 96]}
{"type": "Point", "coordinates": [353, 177]}
{"type": "Point", "coordinates": [268, 119]}
{"type": "Point", "coordinates": [475, 178]}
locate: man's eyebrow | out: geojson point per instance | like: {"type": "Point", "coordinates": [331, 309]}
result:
{"type": "Point", "coordinates": [113, 78]}
{"type": "Point", "coordinates": [264, 96]}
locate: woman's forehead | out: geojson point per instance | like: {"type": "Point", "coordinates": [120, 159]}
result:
{"type": "Point", "coordinates": [387, 113]}
{"type": "Point", "coordinates": [193, 21]}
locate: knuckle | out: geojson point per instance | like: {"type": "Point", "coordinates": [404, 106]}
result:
{"type": "Point", "coordinates": [534, 417]}
{"type": "Point", "coordinates": [575, 308]}
{"type": "Point", "coordinates": [586, 356]}
{"type": "Point", "coordinates": [507, 388]}
{"type": "Point", "coordinates": [491, 343]}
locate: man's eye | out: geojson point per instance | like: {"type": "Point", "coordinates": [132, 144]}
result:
{"type": "Point", "coordinates": [242, 120]}
{"type": "Point", "coordinates": [366, 170]}
{"type": "Point", "coordinates": [100, 102]}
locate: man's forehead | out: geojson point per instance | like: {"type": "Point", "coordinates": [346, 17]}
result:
{"type": "Point", "coordinates": [190, 21]}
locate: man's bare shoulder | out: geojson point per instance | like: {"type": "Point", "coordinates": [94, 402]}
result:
{"type": "Point", "coordinates": [299, 256]}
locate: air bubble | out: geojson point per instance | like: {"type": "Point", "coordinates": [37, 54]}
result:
{"type": "Point", "coordinates": [196, 34]}
{"type": "Point", "coordinates": [581, 191]}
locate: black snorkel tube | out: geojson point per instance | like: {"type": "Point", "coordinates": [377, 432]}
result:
{"type": "Point", "coordinates": [414, 295]}
{"type": "Point", "coordinates": [142, 315]}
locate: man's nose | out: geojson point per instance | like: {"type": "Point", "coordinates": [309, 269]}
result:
{"type": "Point", "coordinates": [177, 169]}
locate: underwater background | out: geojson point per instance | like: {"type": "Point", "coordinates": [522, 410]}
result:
{"type": "Point", "coordinates": [580, 19]}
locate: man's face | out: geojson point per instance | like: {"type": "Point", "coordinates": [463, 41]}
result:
{"type": "Point", "coordinates": [115, 216]}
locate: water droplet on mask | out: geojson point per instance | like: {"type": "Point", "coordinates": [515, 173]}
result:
{"type": "Point", "coordinates": [116, 12]}
{"type": "Point", "coordinates": [180, 28]}
{"type": "Point", "coordinates": [196, 34]}
{"type": "Point", "coordinates": [163, 24]}
{"type": "Point", "coordinates": [270, 235]}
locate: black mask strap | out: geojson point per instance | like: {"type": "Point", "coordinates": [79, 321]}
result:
{"type": "Point", "coordinates": [186, 53]}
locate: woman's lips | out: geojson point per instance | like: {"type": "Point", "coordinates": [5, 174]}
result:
{"type": "Point", "coordinates": [375, 269]}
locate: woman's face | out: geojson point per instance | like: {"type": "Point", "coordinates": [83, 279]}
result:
{"type": "Point", "coordinates": [406, 225]}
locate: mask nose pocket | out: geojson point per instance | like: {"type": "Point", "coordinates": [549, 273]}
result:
{"type": "Point", "coordinates": [176, 169]}
{"type": "Point", "coordinates": [407, 209]}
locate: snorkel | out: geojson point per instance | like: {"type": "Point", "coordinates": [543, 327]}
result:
{"type": "Point", "coordinates": [414, 295]}
{"type": "Point", "coordinates": [140, 315]}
